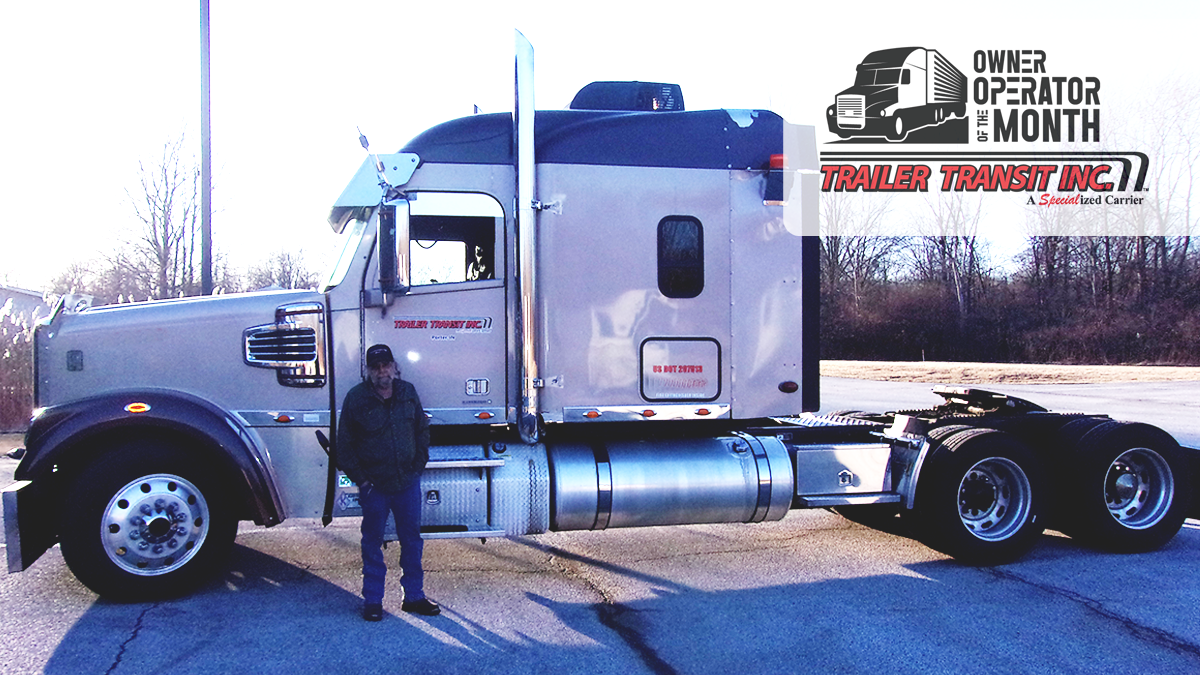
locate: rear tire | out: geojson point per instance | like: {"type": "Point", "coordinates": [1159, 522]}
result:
{"type": "Point", "coordinates": [1133, 488]}
{"type": "Point", "coordinates": [979, 499]}
{"type": "Point", "coordinates": [146, 520]}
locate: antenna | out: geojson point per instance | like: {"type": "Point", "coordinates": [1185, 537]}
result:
{"type": "Point", "coordinates": [362, 140]}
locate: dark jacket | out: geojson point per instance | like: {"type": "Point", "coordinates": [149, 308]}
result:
{"type": "Point", "coordinates": [383, 441]}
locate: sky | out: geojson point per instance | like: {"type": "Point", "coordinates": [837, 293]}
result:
{"type": "Point", "coordinates": [90, 89]}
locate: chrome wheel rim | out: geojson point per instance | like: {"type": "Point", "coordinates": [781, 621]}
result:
{"type": "Point", "coordinates": [1139, 488]}
{"type": "Point", "coordinates": [994, 499]}
{"type": "Point", "coordinates": [154, 525]}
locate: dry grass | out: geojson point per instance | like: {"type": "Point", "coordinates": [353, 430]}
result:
{"type": "Point", "coordinates": [1009, 373]}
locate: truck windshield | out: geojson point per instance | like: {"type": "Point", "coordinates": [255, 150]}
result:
{"type": "Point", "coordinates": [878, 76]}
{"type": "Point", "coordinates": [347, 246]}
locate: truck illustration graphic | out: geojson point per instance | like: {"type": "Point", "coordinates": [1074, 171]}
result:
{"type": "Point", "coordinates": [897, 91]}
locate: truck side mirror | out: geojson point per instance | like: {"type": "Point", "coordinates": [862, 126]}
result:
{"type": "Point", "coordinates": [392, 245]}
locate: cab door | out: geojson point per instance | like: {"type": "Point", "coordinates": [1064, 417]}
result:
{"type": "Point", "coordinates": [446, 323]}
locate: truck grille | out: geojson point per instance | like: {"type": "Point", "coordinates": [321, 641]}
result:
{"type": "Point", "coordinates": [294, 345]}
{"type": "Point", "coordinates": [851, 105]}
{"type": "Point", "coordinates": [282, 346]}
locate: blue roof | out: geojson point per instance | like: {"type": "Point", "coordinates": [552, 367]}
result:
{"type": "Point", "coordinates": [709, 139]}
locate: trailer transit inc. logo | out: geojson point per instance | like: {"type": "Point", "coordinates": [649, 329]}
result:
{"type": "Point", "coordinates": [915, 95]}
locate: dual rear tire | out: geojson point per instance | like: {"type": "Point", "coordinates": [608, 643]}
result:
{"type": "Point", "coordinates": [985, 497]}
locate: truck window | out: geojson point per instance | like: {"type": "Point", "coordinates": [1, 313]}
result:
{"type": "Point", "coordinates": [451, 249]}
{"type": "Point", "coordinates": [452, 238]}
{"type": "Point", "coordinates": [887, 76]}
{"type": "Point", "coordinates": [680, 257]}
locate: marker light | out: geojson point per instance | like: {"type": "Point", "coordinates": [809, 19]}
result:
{"type": "Point", "coordinates": [592, 414]}
{"type": "Point", "coordinates": [137, 408]}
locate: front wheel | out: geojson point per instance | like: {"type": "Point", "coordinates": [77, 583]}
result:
{"type": "Point", "coordinates": [980, 498]}
{"type": "Point", "coordinates": [146, 520]}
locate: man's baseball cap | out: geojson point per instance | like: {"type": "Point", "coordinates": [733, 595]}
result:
{"type": "Point", "coordinates": [378, 355]}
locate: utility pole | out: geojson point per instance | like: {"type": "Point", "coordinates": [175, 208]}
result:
{"type": "Point", "coordinates": [206, 280]}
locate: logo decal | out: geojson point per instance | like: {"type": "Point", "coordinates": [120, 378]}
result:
{"type": "Point", "coordinates": [455, 324]}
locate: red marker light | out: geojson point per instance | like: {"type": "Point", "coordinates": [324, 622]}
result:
{"type": "Point", "coordinates": [484, 416]}
{"type": "Point", "coordinates": [789, 387]}
{"type": "Point", "coordinates": [778, 161]}
{"type": "Point", "coordinates": [283, 419]}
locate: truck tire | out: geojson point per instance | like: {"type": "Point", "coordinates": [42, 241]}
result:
{"type": "Point", "coordinates": [1132, 490]}
{"type": "Point", "coordinates": [979, 499]}
{"type": "Point", "coordinates": [146, 521]}
{"type": "Point", "coordinates": [899, 129]}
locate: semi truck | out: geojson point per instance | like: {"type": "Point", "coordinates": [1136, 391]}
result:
{"type": "Point", "coordinates": [610, 314]}
{"type": "Point", "coordinates": [897, 91]}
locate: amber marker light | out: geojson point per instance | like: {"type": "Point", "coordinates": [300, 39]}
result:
{"type": "Point", "coordinates": [136, 408]}
{"type": "Point", "coordinates": [703, 411]}
{"type": "Point", "coordinates": [484, 415]}
{"type": "Point", "coordinates": [592, 414]}
{"type": "Point", "coordinates": [648, 413]}
{"type": "Point", "coordinates": [283, 419]}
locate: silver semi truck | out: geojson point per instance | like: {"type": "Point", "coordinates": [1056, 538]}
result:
{"type": "Point", "coordinates": [897, 91]}
{"type": "Point", "coordinates": [611, 317]}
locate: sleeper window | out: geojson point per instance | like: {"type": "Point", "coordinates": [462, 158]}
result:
{"type": "Point", "coordinates": [680, 257]}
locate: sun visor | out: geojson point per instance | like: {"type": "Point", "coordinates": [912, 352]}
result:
{"type": "Point", "coordinates": [365, 189]}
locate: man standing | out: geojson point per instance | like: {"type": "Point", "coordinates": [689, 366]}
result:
{"type": "Point", "coordinates": [383, 445]}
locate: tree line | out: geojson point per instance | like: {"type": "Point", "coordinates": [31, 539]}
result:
{"type": "Point", "coordinates": [1064, 299]}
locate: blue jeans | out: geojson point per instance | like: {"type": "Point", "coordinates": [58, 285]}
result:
{"type": "Point", "coordinates": [406, 506]}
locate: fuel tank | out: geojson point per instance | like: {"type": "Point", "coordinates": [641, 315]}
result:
{"type": "Point", "coordinates": [734, 479]}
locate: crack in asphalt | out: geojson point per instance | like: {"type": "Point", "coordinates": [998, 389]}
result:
{"type": "Point", "coordinates": [137, 628]}
{"type": "Point", "coordinates": [622, 620]}
{"type": "Point", "coordinates": [1149, 634]}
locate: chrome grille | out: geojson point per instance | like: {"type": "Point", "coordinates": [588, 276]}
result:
{"type": "Point", "coordinates": [282, 347]}
{"type": "Point", "coordinates": [294, 345]}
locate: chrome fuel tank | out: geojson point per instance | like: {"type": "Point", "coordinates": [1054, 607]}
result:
{"type": "Point", "coordinates": [732, 479]}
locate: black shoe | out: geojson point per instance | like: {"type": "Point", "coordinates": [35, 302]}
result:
{"type": "Point", "coordinates": [373, 611]}
{"type": "Point", "coordinates": [424, 607]}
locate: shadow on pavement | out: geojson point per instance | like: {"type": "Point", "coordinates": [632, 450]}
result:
{"type": "Point", "coordinates": [267, 615]}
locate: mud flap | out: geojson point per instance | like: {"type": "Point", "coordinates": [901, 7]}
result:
{"type": "Point", "coordinates": [26, 535]}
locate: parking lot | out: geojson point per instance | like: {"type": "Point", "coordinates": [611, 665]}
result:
{"type": "Point", "coordinates": [812, 593]}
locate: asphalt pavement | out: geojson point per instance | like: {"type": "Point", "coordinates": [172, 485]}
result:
{"type": "Point", "coordinates": [812, 593]}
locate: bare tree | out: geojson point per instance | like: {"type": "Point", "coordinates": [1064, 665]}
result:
{"type": "Point", "coordinates": [856, 255]}
{"type": "Point", "coordinates": [952, 253]}
{"type": "Point", "coordinates": [165, 257]}
{"type": "Point", "coordinates": [283, 270]}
